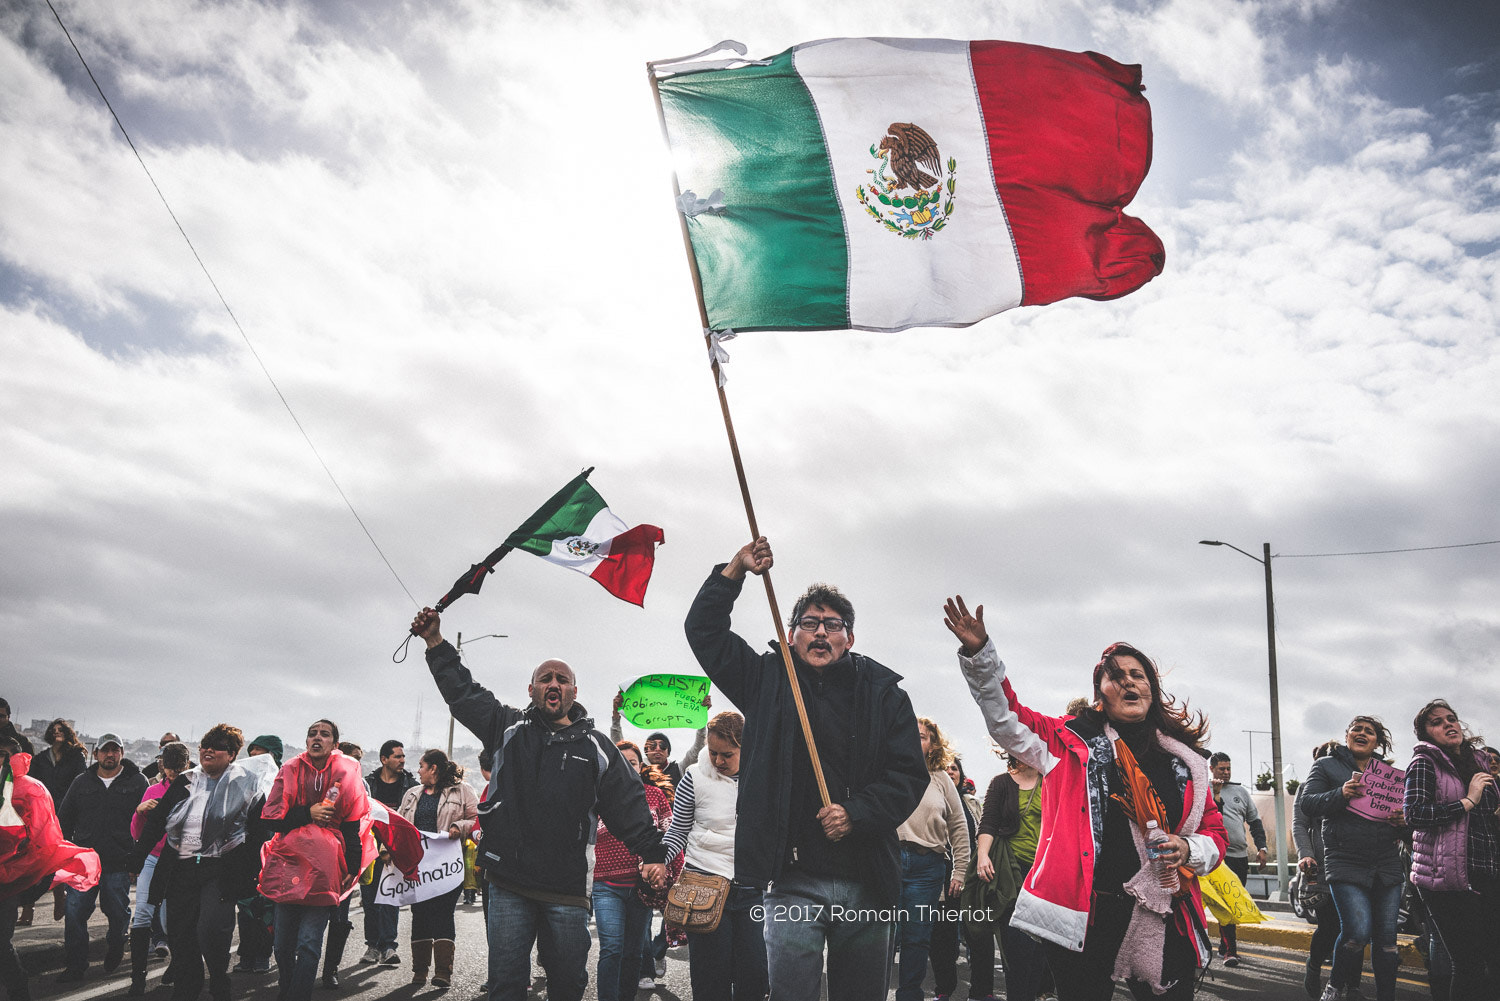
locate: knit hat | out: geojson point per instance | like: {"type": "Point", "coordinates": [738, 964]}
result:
{"type": "Point", "coordinates": [271, 745]}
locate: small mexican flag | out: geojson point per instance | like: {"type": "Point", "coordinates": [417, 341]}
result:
{"type": "Point", "coordinates": [576, 529]}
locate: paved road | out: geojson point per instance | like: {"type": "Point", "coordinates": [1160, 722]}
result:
{"type": "Point", "coordinates": [1270, 973]}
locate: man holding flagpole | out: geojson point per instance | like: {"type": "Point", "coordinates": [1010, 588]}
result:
{"type": "Point", "coordinates": [834, 870]}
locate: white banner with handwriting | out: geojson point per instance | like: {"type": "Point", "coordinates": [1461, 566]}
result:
{"type": "Point", "coordinates": [442, 871]}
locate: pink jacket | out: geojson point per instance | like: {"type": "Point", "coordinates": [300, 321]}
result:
{"type": "Point", "coordinates": [1057, 894]}
{"type": "Point", "coordinates": [138, 822]}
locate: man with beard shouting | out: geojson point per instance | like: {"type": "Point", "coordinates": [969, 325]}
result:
{"type": "Point", "coordinates": [553, 777]}
{"type": "Point", "coordinates": [834, 870]}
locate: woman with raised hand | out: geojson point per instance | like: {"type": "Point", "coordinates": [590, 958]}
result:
{"type": "Point", "coordinates": [443, 804]}
{"type": "Point", "coordinates": [730, 961]}
{"type": "Point", "coordinates": [1127, 792]}
{"type": "Point", "coordinates": [1361, 860]}
{"type": "Point", "coordinates": [1450, 805]}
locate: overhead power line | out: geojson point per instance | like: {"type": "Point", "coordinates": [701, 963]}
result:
{"type": "Point", "coordinates": [1382, 552]}
{"type": "Point", "coordinates": [225, 303]}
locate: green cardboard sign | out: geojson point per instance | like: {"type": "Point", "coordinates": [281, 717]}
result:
{"type": "Point", "coordinates": [666, 702]}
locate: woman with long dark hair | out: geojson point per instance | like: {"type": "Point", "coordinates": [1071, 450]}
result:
{"type": "Point", "coordinates": [64, 759]}
{"type": "Point", "coordinates": [1361, 859]}
{"type": "Point", "coordinates": [1450, 805]}
{"type": "Point", "coordinates": [1127, 776]}
{"type": "Point", "coordinates": [1307, 836]}
{"type": "Point", "coordinates": [443, 804]}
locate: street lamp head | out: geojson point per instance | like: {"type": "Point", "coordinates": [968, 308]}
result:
{"type": "Point", "coordinates": [1209, 542]}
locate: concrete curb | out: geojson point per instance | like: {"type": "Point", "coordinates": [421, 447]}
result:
{"type": "Point", "coordinates": [1298, 937]}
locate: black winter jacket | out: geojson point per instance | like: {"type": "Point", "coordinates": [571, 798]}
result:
{"type": "Point", "coordinates": [548, 788]}
{"type": "Point", "coordinates": [99, 818]}
{"type": "Point", "coordinates": [1355, 849]}
{"type": "Point", "coordinates": [58, 776]}
{"type": "Point", "coordinates": [889, 775]}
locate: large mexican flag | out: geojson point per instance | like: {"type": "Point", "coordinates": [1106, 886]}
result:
{"type": "Point", "coordinates": [885, 183]}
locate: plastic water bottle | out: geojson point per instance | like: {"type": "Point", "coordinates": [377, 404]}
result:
{"type": "Point", "coordinates": [332, 796]}
{"type": "Point", "coordinates": [1156, 842]}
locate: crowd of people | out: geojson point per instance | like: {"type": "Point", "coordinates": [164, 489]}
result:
{"type": "Point", "coordinates": [825, 840]}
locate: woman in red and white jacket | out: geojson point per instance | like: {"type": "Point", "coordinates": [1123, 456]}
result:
{"type": "Point", "coordinates": [1134, 757]}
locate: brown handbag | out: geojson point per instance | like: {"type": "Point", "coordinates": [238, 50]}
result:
{"type": "Point", "coordinates": [695, 903]}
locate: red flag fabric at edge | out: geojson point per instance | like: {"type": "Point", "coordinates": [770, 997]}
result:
{"type": "Point", "coordinates": [626, 571]}
{"type": "Point", "coordinates": [1045, 111]}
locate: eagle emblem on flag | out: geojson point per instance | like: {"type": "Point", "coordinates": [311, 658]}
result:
{"type": "Point", "coordinates": [580, 547]}
{"type": "Point", "coordinates": [907, 157]}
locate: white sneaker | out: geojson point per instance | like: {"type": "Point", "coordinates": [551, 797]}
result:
{"type": "Point", "coordinates": [372, 955]}
{"type": "Point", "coordinates": [390, 957]}
{"type": "Point", "coordinates": [645, 984]}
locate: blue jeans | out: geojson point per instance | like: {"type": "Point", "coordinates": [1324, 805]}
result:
{"type": "Point", "coordinates": [922, 876]}
{"type": "Point", "coordinates": [145, 914]}
{"type": "Point", "coordinates": [622, 921]}
{"type": "Point", "coordinates": [808, 912]}
{"type": "Point", "coordinates": [561, 934]}
{"type": "Point", "coordinates": [112, 895]}
{"type": "Point", "coordinates": [381, 920]}
{"type": "Point", "coordinates": [1367, 916]}
{"type": "Point", "coordinates": [730, 961]}
{"type": "Point", "coordinates": [299, 947]}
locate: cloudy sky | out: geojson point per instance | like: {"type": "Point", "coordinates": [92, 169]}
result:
{"type": "Point", "coordinates": [447, 230]}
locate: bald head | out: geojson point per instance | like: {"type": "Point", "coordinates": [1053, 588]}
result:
{"type": "Point", "coordinates": [553, 689]}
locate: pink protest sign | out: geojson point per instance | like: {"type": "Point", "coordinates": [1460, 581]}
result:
{"type": "Point", "coordinates": [1383, 792]}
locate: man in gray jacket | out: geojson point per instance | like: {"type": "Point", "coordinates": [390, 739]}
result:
{"type": "Point", "coordinates": [1239, 812]}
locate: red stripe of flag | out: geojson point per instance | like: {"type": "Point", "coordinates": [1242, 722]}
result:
{"type": "Point", "coordinates": [1070, 143]}
{"type": "Point", "coordinates": [626, 571]}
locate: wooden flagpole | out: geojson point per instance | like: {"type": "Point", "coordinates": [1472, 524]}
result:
{"type": "Point", "coordinates": [734, 451]}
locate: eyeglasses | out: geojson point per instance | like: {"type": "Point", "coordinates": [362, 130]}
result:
{"type": "Point", "coordinates": [211, 749]}
{"type": "Point", "coordinates": [810, 623]}
{"type": "Point", "coordinates": [656, 745]}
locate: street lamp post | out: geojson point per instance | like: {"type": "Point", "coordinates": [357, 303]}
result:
{"type": "Point", "coordinates": [1278, 785]}
{"type": "Point", "coordinates": [459, 646]}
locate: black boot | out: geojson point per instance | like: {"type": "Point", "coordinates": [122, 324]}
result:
{"type": "Point", "coordinates": [140, 951]}
{"type": "Point", "coordinates": [333, 956]}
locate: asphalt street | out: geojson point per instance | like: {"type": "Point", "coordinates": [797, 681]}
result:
{"type": "Point", "coordinates": [1265, 972]}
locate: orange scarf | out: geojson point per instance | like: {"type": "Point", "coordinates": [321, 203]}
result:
{"type": "Point", "coordinates": [1140, 800]}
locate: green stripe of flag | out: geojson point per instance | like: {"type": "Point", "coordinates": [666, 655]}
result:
{"type": "Point", "coordinates": [565, 515]}
{"type": "Point", "coordinates": [777, 257]}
